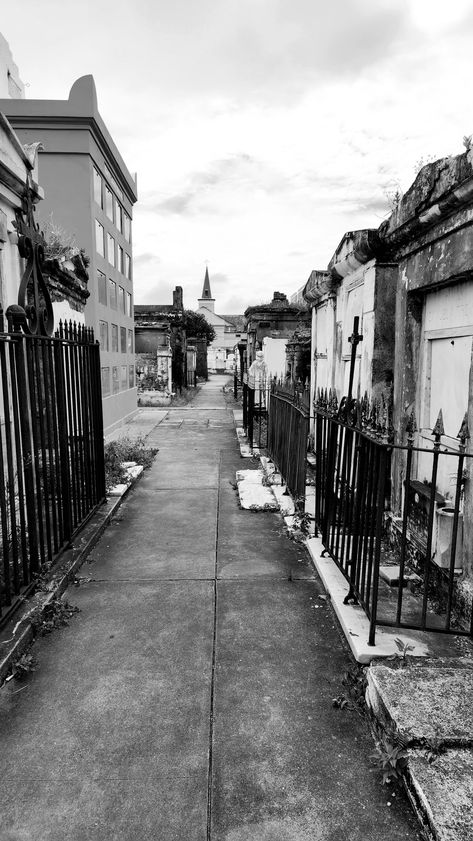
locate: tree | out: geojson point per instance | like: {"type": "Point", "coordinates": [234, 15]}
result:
{"type": "Point", "coordinates": [196, 325]}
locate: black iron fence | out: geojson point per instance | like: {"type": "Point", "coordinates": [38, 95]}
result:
{"type": "Point", "coordinates": [288, 429]}
{"type": "Point", "coordinates": [354, 451]}
{"type": "Point", "coordinates": [51, 448]}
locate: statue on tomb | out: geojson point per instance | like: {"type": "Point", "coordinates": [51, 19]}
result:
{"type": "Point", "coordinates": [258, 378]}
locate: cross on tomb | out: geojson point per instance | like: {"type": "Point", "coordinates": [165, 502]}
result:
{"type": "Point", "coordinates": [354, 340]}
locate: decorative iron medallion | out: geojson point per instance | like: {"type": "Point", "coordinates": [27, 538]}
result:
{"type": "Point", "coordinates": [34, 312]}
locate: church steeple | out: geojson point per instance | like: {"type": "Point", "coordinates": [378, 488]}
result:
{"type": "Point", "coordinates": [206, 300]}
{"type": "Point", "coordinates": [206, 293]}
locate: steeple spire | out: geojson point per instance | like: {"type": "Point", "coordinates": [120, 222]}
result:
{"type": "Point", "coordinates": [206, 301]}
{"type": "Point", "coordinates": [206, 293]}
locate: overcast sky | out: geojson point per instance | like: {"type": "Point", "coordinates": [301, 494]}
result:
{"type": "Point", "coordinates": [261, 130]}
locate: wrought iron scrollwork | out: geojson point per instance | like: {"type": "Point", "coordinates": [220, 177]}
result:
{"type": "Point", "coordinates": [34, 312]}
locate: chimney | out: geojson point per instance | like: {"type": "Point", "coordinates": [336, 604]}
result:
{"type": "Point", "coordinates": [177, 300]}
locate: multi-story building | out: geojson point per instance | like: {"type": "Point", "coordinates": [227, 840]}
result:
{"type": "Point", "coordinates": [89, 193]}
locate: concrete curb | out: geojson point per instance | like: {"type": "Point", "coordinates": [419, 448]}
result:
{"type": "Point", "coordinates": [19, 633]}
{"type": "Point", "coordinates": [352, 618]}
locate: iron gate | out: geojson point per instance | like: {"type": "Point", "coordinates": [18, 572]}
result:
{"type": "Point", "coordinates": [51, 430]}
{"type": "Point", "coordinates": [288, 429]}
{"type": "Point", "coordinates": [354, 447]}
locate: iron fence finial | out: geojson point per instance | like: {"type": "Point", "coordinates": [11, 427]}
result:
{"type": "Point", "coordinates": [439, 428]}
{"type": "Point", "coordinates": [464, 432]}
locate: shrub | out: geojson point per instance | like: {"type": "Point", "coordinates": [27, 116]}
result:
{"type": "Point", "coordinates": [122, 450]}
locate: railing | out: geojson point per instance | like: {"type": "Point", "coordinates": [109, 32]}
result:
{"type": "Point", "coordinates": [354, 448]}
{"type": "Point", "coordinates": [255, 413]}
{"type": "Point", "coordinates": [51, 449]}
{"type": "Point", "coordinates": [288, 429]}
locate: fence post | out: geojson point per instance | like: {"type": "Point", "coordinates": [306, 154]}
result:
{"type": "Point", "coordinates": [437, 432]}
{"type": "Point", "coordinates": [251, 412]}
{"type": "Point", "coordinates": [26, 422]}
{"type": "Point", "coordinates": [63, 440]}
{"type": "Point", "coordinates": [377, 552]}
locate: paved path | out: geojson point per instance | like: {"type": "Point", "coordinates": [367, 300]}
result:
{"type": "Point", "coordinates": [191, 698]}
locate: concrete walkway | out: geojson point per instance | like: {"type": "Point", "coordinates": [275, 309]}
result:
{"type": "Point", "coordinates": [191, 698]}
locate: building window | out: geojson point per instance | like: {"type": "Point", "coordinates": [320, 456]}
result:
{"type": "Point", "coordinates": [105, 377]}
{"type": "Point", "coordinates": [130, 341]}
{"type": "Point", "coordinates": [112, 291]}
{"type": "Point", "coordinates": [111, 249]}
{"type": "Point", "coordinates": [124, 377]}
{"type": "Point", "coordinates": [98, 187]}
{"type": "Point", "coordinates": [109, 202]}
{"type": "Point", "coordinates": [102, 287]}
{"type": "Point", "coordinates": [127, 266]}
{"type": "Point", "coordinates": [121, 299]}
{"type": "Point", "coordinates": [115, 382]}
{"type": "Point", "coordinates": [99, 238]}
{"type": "Point", "coordinates": [126, 226]}
{"type": "Point", "coordinates": [114, 338]}
{"type": "Point", "coordinates": [118, 216]}
{"type": "Point", "coordinates": [128, 303]}
{"type": "Point", "coordinates": [121, 260]}
{"type": "Point", "coordinates": [122, 339]}
{"type": "Point", "coordinates": [131, 376]}
{"type": "Point", "coordinates": [103, 329]}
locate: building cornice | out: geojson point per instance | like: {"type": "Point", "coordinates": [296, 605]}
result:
{"type": "Point", "coordinates": [441, 189]}
{"type": "Point", "coordinates": [419, 224]}
{"type": "Point", "coordinates": [365, 245]}
{"type": "Point", "coordinates": [320, 285]}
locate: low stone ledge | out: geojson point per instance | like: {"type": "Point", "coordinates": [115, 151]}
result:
{"type": "Point", "coordinates": [442, 791]}
{"type": "Point", "coordinates": [425, 703]}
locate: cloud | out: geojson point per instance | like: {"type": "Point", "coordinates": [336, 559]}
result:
{"type": "Point", "coordinates": [203, 188]}
{"type": "Point", "coordinates": [233, 305]}
{"type": "Point", "coordinates": [180, 204]}
{"type": "Point", "coordinates": [378, 206]}
{"type": "Point", "coordinates": [159, 292]}
{"type": "Point", "coordinates": [264, 49]}
{"type": "Point", "coordinates": [217, 278]}
{"type": "Point", "coordinates": [145, 258]}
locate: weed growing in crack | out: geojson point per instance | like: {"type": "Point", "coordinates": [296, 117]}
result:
{"type": "Point", "coordinates": [354, 681]}
{"type": "Point", "coordinates": [390, 755]}
{"type": "Point", "coordinates": [404, 648]}
{"type": "Point", "coordinates": [390, 759]}
{"type": "Point", "coordinates": [434, 747]}
{"type": "Point", "coordinates": [22, 667]}
{"type": "Point", "coordinates": [55, 614]}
